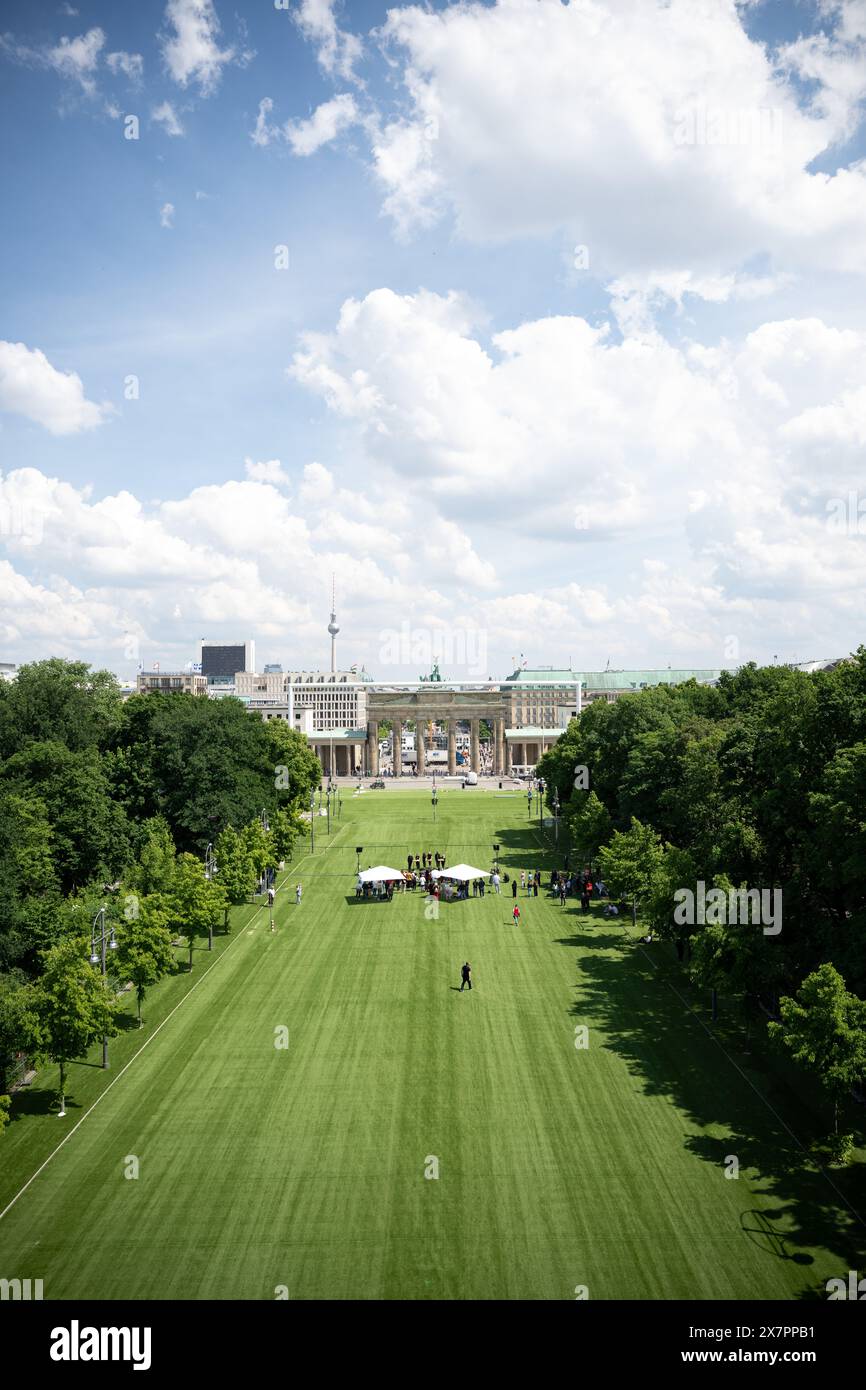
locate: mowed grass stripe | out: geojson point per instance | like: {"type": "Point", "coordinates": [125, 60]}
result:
{"type": "Point", "coordinates": [305, 1168]}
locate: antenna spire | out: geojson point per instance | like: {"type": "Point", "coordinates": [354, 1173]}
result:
{"type": "Point", "coordinates": [332, 625]}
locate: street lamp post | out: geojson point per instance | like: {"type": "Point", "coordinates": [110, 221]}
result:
{"type": "Point", "coordinates": [496, 858]}
{"type": "Point", "coordinates": [103, 938]}
{"type": "Point", "coordinates": [359, 850]}
{"type": "Point", "coordinates": [529, 804]}
{"type": "Point", "coordinates": [556, 814]}
{"type": "Point", "coordinates": [435, 800]}
{"type": "Point", "coordinates": [312, 818]}
{"type": "Point", "coordinates": [210, 869]}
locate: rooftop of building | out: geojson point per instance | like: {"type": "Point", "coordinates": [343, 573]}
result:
{"type": "Point", "coordinates": [157, 675]}
{"type": "Point", "coordinates": [612, 680]}
{"type": "Point", "coordinates": [350, 677]}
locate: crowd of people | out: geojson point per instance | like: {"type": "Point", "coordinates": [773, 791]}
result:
{"type": "Point", "coordinates": [418, 874]}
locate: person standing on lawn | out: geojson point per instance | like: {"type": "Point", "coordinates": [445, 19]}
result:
{"type": "Point", "coordinates": [465, 976]}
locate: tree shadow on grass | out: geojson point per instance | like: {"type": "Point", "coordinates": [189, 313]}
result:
{"type": "Point", "coordinates": [126, 1022]}
{"type": "Point", "coordinates": [29, 1102]}
{"type": "Point", "coordinates": [519, 848]}
{"type": "Point", "coordinates": [627, 991]}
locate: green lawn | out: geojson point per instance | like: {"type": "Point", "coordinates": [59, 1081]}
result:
{"type": "Point", "coordinates": [304, 1166]}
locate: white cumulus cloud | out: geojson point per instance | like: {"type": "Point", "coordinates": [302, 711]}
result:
{"type": "Point", "coordinates": [31, 386]}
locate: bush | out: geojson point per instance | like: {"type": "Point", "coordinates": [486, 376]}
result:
{"type": "Point", "coordinates": [835, 1151]}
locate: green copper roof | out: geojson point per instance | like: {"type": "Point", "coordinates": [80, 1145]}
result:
{"type": "Point", "coordinates": [616, 680]}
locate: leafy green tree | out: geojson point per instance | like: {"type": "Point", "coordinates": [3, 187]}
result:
{"type": "Point", "coordinates": [73, 1005]}
{"type": "Point", "coordinates": [259, 846]}
{"type": "Point", "coordinates": [19, 1021]}
{"type": "Point", "coordinates": [144, 947]}
{"type": "Point", "coordinates": [589, 825]}
{"type": "Point", "coordinates": [556, 766]}
{"type": "Point", "coordinates": [154, 871]}
{"type": "Point", "coordinates": [285, 827]}
{"type": "Point", "coordinates": [195, 902]}
{"type": "Point", "coordinates": [824, 1029]}
{"type": "Point", "coordinates": [631, 863]}
{"type": "Point", "coordinates": [296, 769]}
{"type": "Point", "coordinates": [30, 887]}
{"type": "Point", "coordinates": [236, 868]}
{"type": "Point", "coordinates": [59, 701]}
{"type": "Point", "coordinates": [202, 764]}
{"type": "Point", "coordinates": [835, 853]}
{"type": "Point", "coordinates": [89, 831]}
{"type": "Point", "coordinates": [736, 958]}
{"type": "Point", "coordinates": [5, 1104]}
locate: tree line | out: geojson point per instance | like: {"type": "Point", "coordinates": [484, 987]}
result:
{"type": "Point", "coordinates": [106, 802]}
{"type": "Point", "coordinates": [756, 785]}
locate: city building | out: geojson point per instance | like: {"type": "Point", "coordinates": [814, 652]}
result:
{"type": "Point", "coordinates": [537, 697]}
{"type": "Point", "coordinates": [219, 661]}
{"type": "Point", "coordinates": [172, 682]}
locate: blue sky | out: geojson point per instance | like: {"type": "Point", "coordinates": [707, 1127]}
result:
{"type": "Point", "coordinates": [568, 359]}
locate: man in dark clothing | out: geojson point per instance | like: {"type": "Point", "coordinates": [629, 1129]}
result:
{"type": "Point", "coordinates": [514, 888]}
{"type": "Point", "coordinates": [465, 976]}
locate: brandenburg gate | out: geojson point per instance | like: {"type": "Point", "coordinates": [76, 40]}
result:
{"type": "Point", "coordinates": [434, 703]}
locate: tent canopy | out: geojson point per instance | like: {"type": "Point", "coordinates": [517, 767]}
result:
{"type": "Point", "coordinates": [381, 874]}
{"type": "Point", "coordinates": [462, 872]}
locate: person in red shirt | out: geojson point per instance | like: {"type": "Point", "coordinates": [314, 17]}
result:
{"type": "Point", "coordinates": [516, 915]}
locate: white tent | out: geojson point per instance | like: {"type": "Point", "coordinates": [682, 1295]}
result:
{"type": "Point", "coordinates": [462, 872]}
{"type": "Point", "coordinates": [382, 874]}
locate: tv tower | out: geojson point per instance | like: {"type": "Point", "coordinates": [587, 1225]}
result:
{"type": "Point", "coordinates": [332, 626]}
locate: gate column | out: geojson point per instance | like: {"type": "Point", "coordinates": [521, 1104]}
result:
{"type": "Point", "coordinates": [397, 746]}
{"type": "Point", "coordinates": [452, 747]}
{"type": "Point", "coordinates": [373, 747]}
